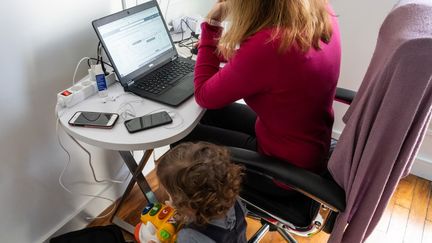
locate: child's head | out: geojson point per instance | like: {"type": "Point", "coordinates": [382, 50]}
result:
{"type": "Point", "coordinates": [201, 180]}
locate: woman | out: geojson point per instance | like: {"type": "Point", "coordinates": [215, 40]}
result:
{"type": "Point", "coordinates": [285, 68]}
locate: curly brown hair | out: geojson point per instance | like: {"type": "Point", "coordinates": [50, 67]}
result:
{"type": "Point", "coordinates": [201, 180]}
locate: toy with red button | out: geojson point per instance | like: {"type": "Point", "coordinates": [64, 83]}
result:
{"type": "Point", "coordinates": [157, 224]}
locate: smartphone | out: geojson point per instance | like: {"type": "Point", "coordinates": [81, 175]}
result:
{"type": "Point", "coordinates": [148, 121]}
{"type": "Point", "coordinates": [93, 119]}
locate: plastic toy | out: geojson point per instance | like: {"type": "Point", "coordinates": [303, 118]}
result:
{"type": "Point", "coordinates": [157, 224]}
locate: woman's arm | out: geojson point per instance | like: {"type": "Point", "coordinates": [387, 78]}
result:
{"type": "Point", "coordinates": [244, 75]}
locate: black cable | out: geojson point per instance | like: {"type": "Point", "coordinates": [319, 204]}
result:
{"type": "Point", "coordinates": [182, 31]}
{"type": "Point", "coordinates": [97, 55]}
{"type": "Point", "coordinates": [103, 66]}
{"type": "Point", "coordinates": [100, 58]}
{"type": "Point", "coordinates": [98, 51]}
{"type": "Point", "coordinates": [192, 38]}
{"type": "Point", "coordinates": [191, 46]}
{"type": "Point", "coordinates": [187, 24]}
{"type": "Point", "coordinates": [95, 59]}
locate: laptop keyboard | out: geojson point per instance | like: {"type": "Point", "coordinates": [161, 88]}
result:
{"type": "Point", "coordinates": [161, 79]}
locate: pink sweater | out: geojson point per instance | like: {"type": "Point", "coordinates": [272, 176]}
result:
{"type": "Point", "coordinates": [291, 92]}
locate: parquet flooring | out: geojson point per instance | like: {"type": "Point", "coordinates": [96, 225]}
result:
{"type": "Point", "coordinates": [407, 218]}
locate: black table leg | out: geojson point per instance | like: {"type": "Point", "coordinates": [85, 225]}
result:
{"type": "Point", "coordinates": [138, 177]}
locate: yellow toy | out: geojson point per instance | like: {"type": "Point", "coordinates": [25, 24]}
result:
{"type": "Point", "coordinates": [157, 224]}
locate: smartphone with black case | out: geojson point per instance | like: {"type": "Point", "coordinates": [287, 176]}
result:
{"type": "Point", "coordinates": [93, 119]}
{"type": "Point", "coordinates": [148, 121]}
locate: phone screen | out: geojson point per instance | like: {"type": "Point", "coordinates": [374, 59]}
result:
{"type": "Point", "coordinates": [94, 119]}
{"type": "Point", "coordinates": [148, 121]}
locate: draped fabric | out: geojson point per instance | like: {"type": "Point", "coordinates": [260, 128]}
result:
{"type": "Point", "coordinates": [387, 120]}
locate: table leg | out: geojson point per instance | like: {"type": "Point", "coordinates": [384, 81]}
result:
{"type": "Point", "coordinates": [137, 177]}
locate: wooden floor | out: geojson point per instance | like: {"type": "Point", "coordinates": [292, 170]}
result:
{"type": "Point", "coordinates": [407, 218]}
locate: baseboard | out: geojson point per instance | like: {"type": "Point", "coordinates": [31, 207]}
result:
{"type": "Point", "coordinates": [93, 207]}
{"type": "Point", "coordinates": [422, 167]}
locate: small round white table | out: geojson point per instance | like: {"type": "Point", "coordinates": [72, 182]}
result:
{"type": "Point", "coordinates": [185, 117]}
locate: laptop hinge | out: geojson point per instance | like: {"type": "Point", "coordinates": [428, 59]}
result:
{"type": "Point", "coordinates": [174, 57]}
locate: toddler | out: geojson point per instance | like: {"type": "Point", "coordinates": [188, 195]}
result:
{"type": "Point", "coordinates": [203, 185]}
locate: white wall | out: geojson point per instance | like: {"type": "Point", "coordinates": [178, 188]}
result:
{"type": "Point", "coordinates": [40, 45]}
{"type": "Point", "coordinates": [359, 23]}
{"type": "Point", "coordinates": [179, 8]}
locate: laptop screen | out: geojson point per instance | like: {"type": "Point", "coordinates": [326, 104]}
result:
{"type": "Point", "coordinates": [136, 41]}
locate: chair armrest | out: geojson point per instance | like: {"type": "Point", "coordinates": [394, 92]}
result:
{"type": "Point", "coordinates": [344, 95]}
{"type": "Point", "coordinates": [323, 190]}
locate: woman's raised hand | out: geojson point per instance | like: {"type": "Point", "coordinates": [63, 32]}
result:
{"type": "Point", "coordinates": [219, 11]}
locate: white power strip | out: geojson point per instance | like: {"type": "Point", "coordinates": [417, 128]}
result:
{"type": "Point", "coordinates": [81, 91]}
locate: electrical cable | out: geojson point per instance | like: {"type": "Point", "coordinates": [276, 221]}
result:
{"type": "Point", "coordinates": [95, 59]}
{"type": "Point", "coordinates": [60, 180]}
{"type": "Point", "coordinates": [184, 42]}
{"type": "Point", "coordinates": [187, 25]}
{"type": "Point", "coordinates": [67, 165]}
{"type": "Point", "coordinates": [100, 58]}
{"type": "Point", "coordinates": [92, 168]}
{"type": "Point", "coordinates": [90, 161]}
{"type": "Point", "coordinates": [126, 110]}
{"type": "Point", "coordinates": [59, 114]}
{"type": "Point", "coordinates": [98, 51]}
{"type": "Point", "coordinates": [182, 31]}
{"type": "Point", "coordinates": [76, 68]}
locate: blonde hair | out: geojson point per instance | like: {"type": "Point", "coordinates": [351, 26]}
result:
{"type": "Point", "coordinates": [301, 22]}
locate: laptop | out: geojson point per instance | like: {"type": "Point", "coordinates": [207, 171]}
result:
{"type": "Point", "coordinates": [142, 53]}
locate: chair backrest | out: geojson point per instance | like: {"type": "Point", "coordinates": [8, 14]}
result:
{"type": "Point", "coordinates": [387, 120]}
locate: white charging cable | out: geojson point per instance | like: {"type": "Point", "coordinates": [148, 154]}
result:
{"type": "Point", "coordinates": [92, 168]}
{"type": "Point", "coordinates": [76, 68]}
{"type": "Point", "coordinates": [60, 180]}
{"type": "Point", "coordinates": [59, 113]}
{"type": "Point", "coordinates": [90, 159]}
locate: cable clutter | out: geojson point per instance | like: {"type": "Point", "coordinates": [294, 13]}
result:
{"type": "Point", "coordinates": [187, 25]}
{"type": "Point", "coordinates": [98, 80]}
{"type": "Point", "coordinates": [127, 109]}
{"type": "Point", "coordinates": [73, 95]}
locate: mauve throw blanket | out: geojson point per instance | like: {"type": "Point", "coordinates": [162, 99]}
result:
{"type": "Point", "coordinates": [387, 120]}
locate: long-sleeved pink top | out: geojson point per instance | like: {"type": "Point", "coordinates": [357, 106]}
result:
{"type": "Point", "coordinates": [291, 92]}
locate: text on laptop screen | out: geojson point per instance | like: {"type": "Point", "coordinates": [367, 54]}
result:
{"type": "Point", "coordinates": [136, 40]}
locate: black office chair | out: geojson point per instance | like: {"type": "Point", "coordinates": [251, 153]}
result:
{"type": "Point", "coordinates": [313, 209]}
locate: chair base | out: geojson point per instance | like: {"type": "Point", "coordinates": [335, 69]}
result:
{"type": "Point", "coordinates": [317, 224]}
{"type": "Point", "coordinates": [257, 237]}
{"type": "Point", "coordinates": [266, 227]}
